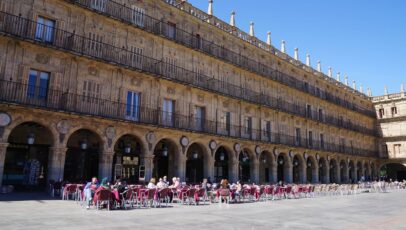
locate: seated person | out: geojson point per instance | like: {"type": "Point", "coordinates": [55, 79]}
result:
{"type": "Point", "coordinates": [119, 186]}
{"type": "Point", "coordinates": [161, 184]}
{"type": "Point", "coordinates": [90, 189]}
{"type": "Point", "coordinates": [151, 184]}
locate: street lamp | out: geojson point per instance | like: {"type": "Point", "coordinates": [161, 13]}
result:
{"type": "Point", "coordinates": [164, 151]}
{"type": "Point", "coordinates": [31, 139]}
{"type": "Point", "coordinates": [83, 145]}
{"type": "Point", "coordinates": [127, 148]}
{"type": "Point", "coordinates": [222, 156]}
{"type": "Point", "coordinates": [281, 161]}
{"type": "Point", "coordinates": [195, 155]}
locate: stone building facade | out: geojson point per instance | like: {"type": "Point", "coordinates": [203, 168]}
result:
{"type": "Point", "coordinates": [139, 89]}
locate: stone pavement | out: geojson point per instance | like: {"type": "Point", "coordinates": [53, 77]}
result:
{"type": "Point", "coordinates": [362, 211]}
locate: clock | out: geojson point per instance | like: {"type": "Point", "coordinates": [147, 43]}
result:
{"type": "Point", "coordinates": [212, 145]}
{"type": "Point", "coordinates": [257, 149]}
{"type": "Point", "coordinates": [184, 141]}
{"type": "Point", "coordinates": [237, 147]}
{"type": "Point", "coordinates": [150, 137]}
{"type": "Point", "coordinates": [5, 119]}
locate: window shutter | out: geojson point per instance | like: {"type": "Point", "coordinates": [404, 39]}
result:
{"type": "Point", "coordinates": [55, 82]}
{"type": "Point", "coordinates": [22, 75]}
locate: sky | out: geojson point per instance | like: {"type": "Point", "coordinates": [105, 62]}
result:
{"type": "Point", "coordinates": [364, 39]}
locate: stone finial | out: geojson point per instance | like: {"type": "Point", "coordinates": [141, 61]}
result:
{"type": "Point", "coordinates": [338, 76]}
{"type": "Point", "coordinates": [210, 9]}
{"type": "Point", "coordinates": [283, 48]}
{"type": "Point", "coordinates": [346, 80]}
{"type": "Point", "coordinates": [361, 89]}
{"type": "Point", "coordinates": [319, 65]}
{"type": "Point", "coordinates": [268, 38]}
{"type": "Point", "coordinates": [308, 60]}
{"type": "Point", "coordinates": [252, 34]}
{"type": "Point", "coordinates": [402, 88]}
{"type": "Point", "coordinates": [232, 19]}
{"type": "Point", "coordinates": [386, 90]}
{"type": "Point", "coordinates": [296, 56]}
{"type": "Point", "coordinates": [330, 71]}
{"type": "Point", "coordinates": [369, 92]}
{"type": "Point", "coordinates": [354, 85]}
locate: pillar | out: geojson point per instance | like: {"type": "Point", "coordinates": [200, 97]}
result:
{"type": "Point", "coordinates": [149, 166]}
{"type": "Point", "coordinates": [209, 168]}
{"type": "Point", "coordinates": [288, 171]}
{"type": "Point", "coordinates": [255, 172]}
{"type": "Point", "coordinates": [56, 163]}
{"type": "Point", "coordinates": [326, 178]}
{"type": "Point", "coordinates": [346, 177]}
{"type": "Point", "coordinates": [274, 173]}
{"type": "Point", "coordinates": [303, 173]}
{"type": "Point", "coordinates": [338, 177]}
{"type": "Point", "coordinates": [106, 164]}
{"type": "Point", "coordinates": [315, 174]}
{"type": "Point", "coordinates": [180, 166]}
{"type": "Point", "coordinates": [233, 174]}
{"type": "Point", "coordinates": [3, 151]}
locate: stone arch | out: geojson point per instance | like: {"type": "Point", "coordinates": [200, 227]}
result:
{"type": "Point", "coordinates": [29, 148]}
{"type": "Point", "coordinates": [83, 156]}
{"type": "Point", "coordinates": [352, 171]}
{"type": "Point", "coordinates": [224, 166]}
{"type": "Point", "coordinates": [298, 169]}
{"type": "Point", "coordinates": [312, 173]}
{"type": "Point", "coordinates": [343, 171]}
{"type": "Point", "coordinates": [267, 167]}
{"type": "Point", "coordinates": [284, 165]}
{"type": "Point", "coordinates": [392, 171]}
{"type": "Point", "coordinates": [101, 135]}
{"type": "Point", "coordinates": [9, 129]}
{"type": "Point", "coordinates": [334, 171]}
{"type": "Point", "coordinates": [168, 159]}
{"type": "Point", "coordinates": [359, 171]}
{"type": "Point", "coordinates": [248, 164]}
{"type": "Point", "coordinates": [323, 170]}
{"type": "Point", "coordinates": [198, 162]}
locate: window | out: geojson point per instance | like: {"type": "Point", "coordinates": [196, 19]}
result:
{"type": "Point", "coordinates": [268, 130]}
{"type": "Point", "coordinates": [132, 109]}
{"type": "Point", "coordinates": [309, 111]}
{"type": "Point", "coordinates": [318, 92]}
{"type": "Point", "coordinates": [171, 66]}
{"type": "Point", "coordinates": [137, 16]}
{"type": "Point", "coordinates": [95, 44]}
{"type": "Point", "coordinates": [396, 148]}
{"type": "Point", "coordinates": [248, 125]}
{"type": "Point", "coordinates": [381, 113]}
{"type": "Point", "coordinates": [226, 121]}
{"type": "Point", "coordinates": [394, 111]}
{"type": "Point", "coordinates": [38, 84]}
{"type": "Point", "coordinates": [306, 86]}
{"type": "Point", "coordinates": [298, 137]}
{"type": "Point", "coordinates": [168, 112]}
{"type": "Point", "coordinates": [99, 5]}
{"type": "Point", "coordinates": [385, 149]}
{"type": "Point", "coordinates": [321, 141]}
{"type": "Point", "coordinates": [198, 41]}
{"type": "Point", "coordinates": [310, 139]}
{"type": "Point", "coordinates": [200, 117]}
{"type": "Point", "coordinates": [321, 115]}
{"type": "Point", "coordinates": [91, 91]}
{"type": "Point", "coordinates": [171, 30]}
{"type": "Point", "coordinates": [136, 56]}
{"type": "Point", "coordinates": [45, 30]}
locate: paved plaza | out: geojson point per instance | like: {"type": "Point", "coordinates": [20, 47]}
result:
{"type": "Point", "coordinates": [362, 211]}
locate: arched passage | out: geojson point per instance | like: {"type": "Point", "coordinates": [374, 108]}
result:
{"type": "Point", "coordinates": [165, 159]}
{"type": "Point", "coordinates": [360, 173]}
{"type": "Point", "coordinates": [26, 160]}
{"type": "Point", "coordinates": [82, 157]}
{"type": "Point", "coordinates": [343, 172]}
{"type": "Point", "coordinates": [352, 172]}
{"type": "Point", "coordinates": [334, 171]}
{"type": "Point", "coordinates": [126, 161]}
{"type": "Point", "coordinates": [298, 168]}
{"type": "Point", "coordinates": [323, 170]}
{"type": "Point", "coordinates": [393, 171]}
{"type": "Point", "coordinates": [374, 176]}
{"type": "Point", "coordinates": [283, 168]}
{"type": "Point", "coordinates": [367, 172]}
{"type": "Point", "coordinates": [246, 166]}
{"type": "Point", "coordinates": [311, 170]}
{"type": "Point", "coordinates": [196, 163]}
{"type": "Point", "coordinates": [222, 164]}
{"type": "Point", "coordinates": [266, 167]}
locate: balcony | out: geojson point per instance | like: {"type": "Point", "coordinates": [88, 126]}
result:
{"type": "Point", "coordinates": [78, 45]}
{"type": "Point", "coordinates": [125, 14]}
{"type": "Point", "coordinates": [60, 101]}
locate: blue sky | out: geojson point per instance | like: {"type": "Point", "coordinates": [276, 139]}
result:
{"type": "Point", "coordinates": [365, 39]}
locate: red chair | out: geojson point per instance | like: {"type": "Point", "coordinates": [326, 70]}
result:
{"type": "Point", "coordinates": [163, 196]}
{"type": "Point", "coordinates": [149, 197]}
{"type": "Point", "coordinates": [224, 194]}
{"type": "Point", "coordinates": [69, 190]}
{"type": "Point", "coordinates": [127, 198]}
{"type": "Point", "coordinates": [201, 195]}
{"type": "Point", "coordinates": [246, 194]}
{"type": "Point", "coordinates": [102, 197]}
{"type": "Point", "coordinates": [189, 196]}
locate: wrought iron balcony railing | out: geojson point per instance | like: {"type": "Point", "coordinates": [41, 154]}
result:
{"type": "Point", "coordinates": [56, 100]}
{"type": "Point", "coordinates": [79, 45]}
{"type": "Point", "coordinates": [128, 15]}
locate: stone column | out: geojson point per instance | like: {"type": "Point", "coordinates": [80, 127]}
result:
{"type": "Point", "coordinates": [106, 164]}
{"type": "Point", "coordinates": [326, 178]}
{"type": "Point", "coordinates": [180, 166]}
{"type": "Point", "coordinates": [338, 177]}
{"type": "Point", "coordinates": [255, 172]}
{"type": "Point", "coordinates": [274, 173]}
{"type": "Point", "coordinates": [56, 163]}
{"type": "Point", "coordinates": [209, 168]}
{"type": "Point", "coordinates": [345, 178]}
{"type": "Point", "coordinates": [315, 174]}
{"type": "Point", "coordinates": [149, 167]}
{"type": "Point", "coordinates": [3, 151]}
{"type": "Point", "coordinates": [233, 171]}
{"type": "Point", "coordinates": [288, 172]}
{"type": "Point", "coordinates": [303, 173]}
